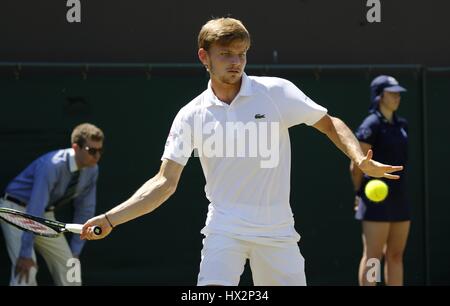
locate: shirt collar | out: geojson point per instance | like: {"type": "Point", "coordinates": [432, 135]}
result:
{"type": "Point", "coordinates": [245, 91]}
{"type": "Point", "coordinates": [72, 163]}
{"type": "Point", "coordinates": [381, 116]}
{"type": "Point", "coordinates": [246, 86]}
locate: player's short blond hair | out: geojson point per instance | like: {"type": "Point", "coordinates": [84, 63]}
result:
{"type": "Point", "coordinates": [82, 132]}
{"type": "Point", "coordinates": [223, 31]}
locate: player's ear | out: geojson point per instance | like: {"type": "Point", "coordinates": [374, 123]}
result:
{"type": "Point", "coordinates": [203, 56]}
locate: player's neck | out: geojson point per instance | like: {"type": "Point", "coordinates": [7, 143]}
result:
{"type": "Point", "coordinates": [225, 92]}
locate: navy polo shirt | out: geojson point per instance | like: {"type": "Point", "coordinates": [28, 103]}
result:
{"type": "Point", "coordinates": [389, 142]}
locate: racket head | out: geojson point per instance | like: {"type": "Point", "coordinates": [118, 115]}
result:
{"type": "Point", "coordinates": [33, 224]}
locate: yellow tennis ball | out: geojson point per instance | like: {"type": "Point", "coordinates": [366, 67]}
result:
{"type": "Point", "coordinates": [376, 190]}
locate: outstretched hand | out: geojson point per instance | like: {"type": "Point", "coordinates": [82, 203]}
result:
{"type": "Point", "coordinates": [376, 169]}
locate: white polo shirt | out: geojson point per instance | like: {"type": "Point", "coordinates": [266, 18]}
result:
{"type": "Point", "coordinates": [245, 153]}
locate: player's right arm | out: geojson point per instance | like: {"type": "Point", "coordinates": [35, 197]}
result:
{"type": "Point", "coordinates": [146, 199]}
{"type": "Point", "coordinates": [356, 173]}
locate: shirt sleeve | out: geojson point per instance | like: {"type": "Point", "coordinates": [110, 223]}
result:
{"type": "Point", "coordinates": [294, 106]}
{"type": "Point", "coordinates": [179, 144]}
{"type": "Point", "coordinates": [45, 178]}
{"type": "Point", "coordinates": [84, 209]}
{"type": "Point", "coordinates": [368, 130]}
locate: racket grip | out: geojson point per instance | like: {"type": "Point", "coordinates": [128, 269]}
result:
{"type": "Point", "coordinates": [97, 230]}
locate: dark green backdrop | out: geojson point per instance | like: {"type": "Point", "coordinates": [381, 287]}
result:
{"type": "Point", "coordinates": [135, 108]}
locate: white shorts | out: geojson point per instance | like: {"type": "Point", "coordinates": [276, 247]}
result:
{"type": "Point", "coordinates": [223, 261]}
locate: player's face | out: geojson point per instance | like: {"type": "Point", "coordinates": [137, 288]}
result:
{"type": "Point", "coordinates": [391, 100]}
{"type": "Point", "coordinates": [226, 63]}
{"type": "Point", "coordinates": [89, 154]}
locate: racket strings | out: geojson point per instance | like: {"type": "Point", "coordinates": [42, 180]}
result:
{"type": "Point", "coordinates": [28, 224]}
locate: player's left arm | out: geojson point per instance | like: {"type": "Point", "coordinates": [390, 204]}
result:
{"type": "Point", "coordinates": [340, 134]}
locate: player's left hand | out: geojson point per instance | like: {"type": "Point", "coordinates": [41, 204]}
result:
{"type": "Point", "coordinates": [376, 169]}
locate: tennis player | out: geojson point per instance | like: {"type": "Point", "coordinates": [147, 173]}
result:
{"type": "Point", "coordinates": [239, 129]}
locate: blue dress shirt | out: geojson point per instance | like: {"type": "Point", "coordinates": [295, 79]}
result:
{"type": "Point", "coordinates": [45, 181]}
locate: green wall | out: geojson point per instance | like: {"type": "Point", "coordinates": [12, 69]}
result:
{"type": "Point", "coordinates": [438, 108]}
{"type": "Point", "coordinates": [135, 110]}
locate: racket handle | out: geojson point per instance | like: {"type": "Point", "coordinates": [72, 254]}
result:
{"type": "Point", "coordinates": [97, 230]}
{"type": "Point", "coordinates": [76, 228]}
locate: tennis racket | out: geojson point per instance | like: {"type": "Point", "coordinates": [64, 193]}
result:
{"type": "Point", "coordinates": [40, 226]}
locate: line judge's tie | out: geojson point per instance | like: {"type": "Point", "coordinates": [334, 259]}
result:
{"type": "Point", "coordinates": [70, 191]}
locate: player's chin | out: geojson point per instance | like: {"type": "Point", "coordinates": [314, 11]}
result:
{"type": "Point", "coordinates": [233, 78]}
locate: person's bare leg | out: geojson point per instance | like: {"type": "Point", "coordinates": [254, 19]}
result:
{"type": "Point", "coordinates": [374, 237]}
{"type": "Point", "coordinates": [393, 269]}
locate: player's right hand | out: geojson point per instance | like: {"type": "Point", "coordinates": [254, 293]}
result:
{"type": "Point", "coordinates": [23, 266]}
{"type": "Point", "coordinates": [87, 232]}
{"type": "Point", "coordinates": [376, 169]}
